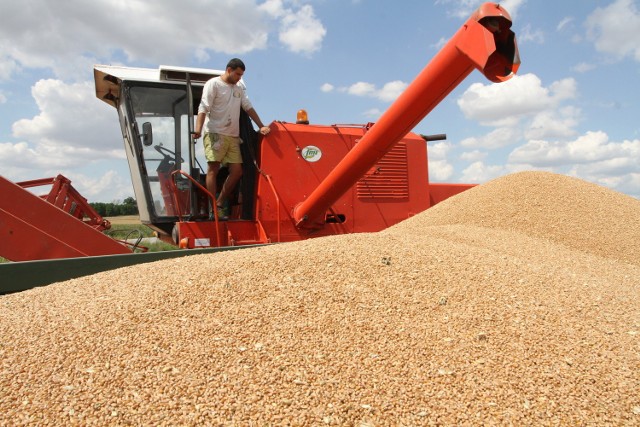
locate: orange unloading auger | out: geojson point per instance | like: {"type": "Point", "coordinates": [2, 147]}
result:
{"type": "Point", "coordinates": [485, 42]}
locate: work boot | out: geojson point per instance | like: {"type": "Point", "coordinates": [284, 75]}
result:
{"type": "Point", "coordinates": [223, 214]}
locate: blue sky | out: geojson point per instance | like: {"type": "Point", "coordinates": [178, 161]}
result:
{"type": "Point", "coordinates": [572, 109]}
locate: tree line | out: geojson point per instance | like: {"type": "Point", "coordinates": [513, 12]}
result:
{"type": "Point", "coordinates": [127, 207]}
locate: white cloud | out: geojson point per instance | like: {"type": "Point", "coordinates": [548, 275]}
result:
{"type": "Point", "coordinates": [527, 34]}
{"type": "Point", "coordinates": [389, 92]}
{"type": "Point", "coordinates": [3, 98]}
{"type": "Point", "coordinates": [362, 89]}
{"type": "Point", "coordinates": [620, 174]}
{"type": "Point", "coordinates": [526, 108]}
{"type": "Point", "coordinates": [473, 156]}
{"type": "Point", "coordinates": [8, 66]}
{"type": "Point", "coordinates": [439, 150]}
{"type": "Point", "coordinates": [614, 29]}
{"type": "Point", "coordinates": [274, 8]}
{"type": "Point", "coordinates": [497, 138]}
{"type": "Point", "coordinates": [301, 31]}
{"type": "Point", "coordinates": [93, 188]}
{"type": "Point", "coordinates": [72, 129]}
{"type": "Point", "coordinates": [512, 6]}
{"type": "Point", "coordinates": [327, 87]}
{"type": "Point", "coordinates": [440, 43]}
{"type": "Point", "coordinates": [563, 89]}
{"type": "Point", "coordinates": [70, 116]}
{"type": "Point", "coordinates": [17, 156]}
{"type": "Point", "coordinates": [373, 113]}
{"type": "Point", "coordinates": [583, 67]}
{"type": "Point", "coordinates": [505, 103]}
{"type": "Point", "coordinates": [160, 32]}
{"type": "Point", "coordinates": [628, 183]}
{"type": "Point", "coordinates": [464, 8]}
{"type": "Point", "coordinates": [591, 148]}
{"type": "Point", "coordinates": [564, 23]}
{"type": "Point", "coordinates": [439, 168]}
{"type": "Point", "coordinates": [478, 172]}
{"type": "Point", "coordinates": [554, 124]}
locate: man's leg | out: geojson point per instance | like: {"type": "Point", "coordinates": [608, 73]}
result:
{"type": "Point", "coordinates": [235, 173]}
{"type": "Point", "coordinates": [212, 176]}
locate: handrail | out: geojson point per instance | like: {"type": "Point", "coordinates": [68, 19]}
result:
{"type": "Point", "coordinates": [174, 193]}
{"type": "Point", "coordinates": [275, 193]}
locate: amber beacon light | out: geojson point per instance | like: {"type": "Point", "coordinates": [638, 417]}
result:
{"type": "Point", "coordinates": [302, 118]}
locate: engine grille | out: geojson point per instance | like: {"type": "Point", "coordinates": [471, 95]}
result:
{"type": "Point", "coordinates": [388, 179]}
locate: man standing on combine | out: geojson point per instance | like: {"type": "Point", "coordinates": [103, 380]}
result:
{"type": "Point", "coordinates": [221, 100]}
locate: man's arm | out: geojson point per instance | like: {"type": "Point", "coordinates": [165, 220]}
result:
{"type": "Point", "coordinates": [254, 116]}
{"type": "Point", "coordinates": [197, 132]}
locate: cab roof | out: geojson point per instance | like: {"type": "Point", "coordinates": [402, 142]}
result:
{"type": "Point", "coordinates": [109, 77]}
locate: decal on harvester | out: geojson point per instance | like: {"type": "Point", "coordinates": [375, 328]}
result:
{"type": "Point", "coordinates": [311, 153]}
{"type": "Point", "coordinates": [202, 243]}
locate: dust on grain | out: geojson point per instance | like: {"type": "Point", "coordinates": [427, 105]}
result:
{"type": "Point", "coordinates": [515, 302]}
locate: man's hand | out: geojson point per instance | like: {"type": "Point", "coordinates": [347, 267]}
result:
{"type": "Point", "coordinates": [265, 130]}
{"type": "Point", "coordinates": [196, 135]}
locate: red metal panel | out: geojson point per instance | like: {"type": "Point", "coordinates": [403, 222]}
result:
{"type": "Point", "coordinates": [21, 241]}
{"type": "Point", "coordinates": [440, 192]}
{"type": "Point", "coordinates": [201, 234]}
{"type": "Point", "coordinates": [245, 233]}
{"type": "Point", "coordinates": [232, 233]}
{"type": "Point", "coordinates": [31, 228]}
{"type": "Point", "coordinates": [388, 179]}
{"type": "Point", "coordinates": [391, 191]}
{"type": "Point", "coordinates": [295, 170]}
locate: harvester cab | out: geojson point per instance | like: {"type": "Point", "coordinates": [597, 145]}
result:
{"type": "Point", "coordinates": [302, 180]}
{"type": "Point", "coordinates": [156, 109]}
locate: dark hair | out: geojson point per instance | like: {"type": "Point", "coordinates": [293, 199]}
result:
{"type": "Point", "coordinates": [236, 63]}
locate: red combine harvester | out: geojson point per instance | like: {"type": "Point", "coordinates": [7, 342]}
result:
{"type": "Point", "coordinates": [301, 181]}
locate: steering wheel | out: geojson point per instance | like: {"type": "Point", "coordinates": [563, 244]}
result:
{"type": "Point", "coordinates": [166, 152]}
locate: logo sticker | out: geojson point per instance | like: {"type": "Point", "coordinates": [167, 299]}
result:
{"type": "Point", "coordinates": [202, 243]}
{"type": "Point", "coordinates": [311, 153]}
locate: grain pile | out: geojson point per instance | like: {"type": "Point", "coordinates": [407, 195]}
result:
{"type": "Point", "coordinates": [516, 302]}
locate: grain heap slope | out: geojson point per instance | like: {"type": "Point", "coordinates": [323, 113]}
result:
{"type": "Point", "coordinates": [459, 322]}
{"type": "Point", "coordinates": [565, 210]}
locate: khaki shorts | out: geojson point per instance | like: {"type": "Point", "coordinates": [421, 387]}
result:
{"type": "Point", "coordinates": [222, 148]}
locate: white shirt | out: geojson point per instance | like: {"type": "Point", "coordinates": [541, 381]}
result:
{"type": "Point", "coordinates": [221, 102]}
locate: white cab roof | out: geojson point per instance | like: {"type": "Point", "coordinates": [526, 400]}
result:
{"type": "Point", "coordinates": [108, 77]}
